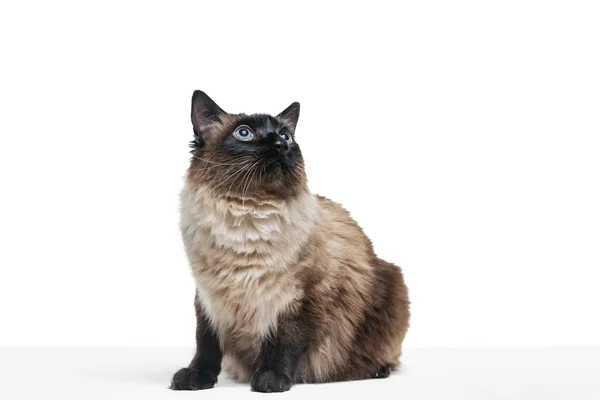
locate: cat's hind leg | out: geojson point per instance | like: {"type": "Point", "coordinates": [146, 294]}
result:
{"type": "Point", "coordinates": [382, 372]}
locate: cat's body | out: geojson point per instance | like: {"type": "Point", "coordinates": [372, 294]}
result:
{"type": "Point", "coordinates": [288, 286]}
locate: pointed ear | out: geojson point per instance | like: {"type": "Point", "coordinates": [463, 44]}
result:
{"type": "Point", "coordinates": [204, 112]}
{"type": "Point", "coordinates": [290, 115]}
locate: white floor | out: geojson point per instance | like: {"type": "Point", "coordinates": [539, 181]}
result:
{"type": "Point", "coordinates": [127, 373]}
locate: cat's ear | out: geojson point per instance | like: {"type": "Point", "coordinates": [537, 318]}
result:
{"type": "Point", "coordinates": [204, 112]}
{"type": "Point", "coordinates": [290, 115]}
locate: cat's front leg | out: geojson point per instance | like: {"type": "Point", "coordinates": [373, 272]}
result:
{"type": "Point", "coordinates": [205, 367]}
{"type": "Point", "coordinates": [280, 353]}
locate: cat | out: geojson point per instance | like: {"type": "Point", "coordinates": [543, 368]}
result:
{"type": "Point", "coordinates": [288, 287]}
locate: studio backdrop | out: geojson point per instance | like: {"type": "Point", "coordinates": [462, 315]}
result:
{"type": "Point", "coordinates": [462, 136]}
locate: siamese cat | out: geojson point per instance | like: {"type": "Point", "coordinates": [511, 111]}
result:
{"type": "Point", "coordinates": [288, 287]}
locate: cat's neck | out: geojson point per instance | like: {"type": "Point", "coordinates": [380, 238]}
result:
{"type": "Point", "coordinates": [264, 227]}
{"type": "Point", "coordinates": [296, 210]}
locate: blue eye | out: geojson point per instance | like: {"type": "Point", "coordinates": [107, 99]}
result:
{"type": "Point", "coordinates": [286, 136]}
{"type": "Point", "coordinates": [243, 133]}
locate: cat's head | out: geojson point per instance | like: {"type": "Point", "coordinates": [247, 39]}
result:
{"type": "Point", "coordinates": [244, 155]}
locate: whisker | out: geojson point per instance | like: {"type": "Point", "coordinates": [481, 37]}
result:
{"type": "Point", "coordinates": [244, 185]}
{"type": "Point", "coordinates": [233, 177]}
{"type": "Point", "coordinates": [249, 182]}
{"type": "Point", "coordinates": [244, 171]}
{"type": "Point", "coordinates": [213, 162]}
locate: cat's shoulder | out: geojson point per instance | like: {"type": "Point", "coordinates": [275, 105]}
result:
{"type": "Point", "coordinates": [327, 202]}
{"type": "Point", "coordinates": [332, 206]}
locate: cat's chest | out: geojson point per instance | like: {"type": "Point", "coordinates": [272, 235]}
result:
{"type": "Point", "coordinates": [242, 284]}
{"type": "Point", "coordinates": [241, 260]}
{"type": "Point", "coordinates": [246, 305]}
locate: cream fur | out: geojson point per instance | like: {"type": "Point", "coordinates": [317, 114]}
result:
{"type": "Point", "coordinates": [240, 250]}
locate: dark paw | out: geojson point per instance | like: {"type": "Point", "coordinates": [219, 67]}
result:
{"type": "Point", "coordinates": [382, 372]}
{"type": "Point", "coordinates": [268, 380]}
{"type": "Point", "coordinates": [193, 379]}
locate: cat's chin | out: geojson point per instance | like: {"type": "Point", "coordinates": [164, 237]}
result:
{"type": "Point", "coordinates": [274, 169]}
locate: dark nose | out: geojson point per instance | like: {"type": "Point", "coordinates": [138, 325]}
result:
{"type": "Point", "coordinates": [280, 144]}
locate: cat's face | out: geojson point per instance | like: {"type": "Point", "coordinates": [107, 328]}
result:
{"type": "Point", "coordinates": [246, 155]}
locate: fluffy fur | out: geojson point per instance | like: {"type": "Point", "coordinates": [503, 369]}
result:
{"type": "Point", "coordinates": [288, 286]}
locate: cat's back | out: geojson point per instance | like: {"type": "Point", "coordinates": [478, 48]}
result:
{"type": "Point", "coordinates": [340, 254]}
{"type": "Point", "coordinates": [339, 234]}
{"type": "Point", "coordinates": [354, 297]}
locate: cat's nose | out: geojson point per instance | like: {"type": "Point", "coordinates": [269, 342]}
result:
{"type": "Point", "coordinates": [280, 144]}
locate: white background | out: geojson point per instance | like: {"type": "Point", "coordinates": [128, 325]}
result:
{"type": "Point", "coordinates": [463, 136]}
